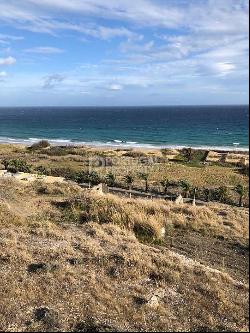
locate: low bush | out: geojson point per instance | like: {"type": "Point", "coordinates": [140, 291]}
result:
{"type": "Point", "coordinates": [16, 165]}
{"type": "Point", "coordinates": [40, 145]}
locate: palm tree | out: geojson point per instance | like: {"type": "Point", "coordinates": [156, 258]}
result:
{"type": "Point", "coordinates": [165, 184]}
{"type": "Point", "coordinates": [144, 176]}
{"type": "Point", "coordinates": [186, 187]}
{"type": "Point", "coordinates": [241, 191]}
{"type": "Point", "coordinates": [110, 179]}
{"type": "Point", "coordinates": [207, 192]}
{"type": "Point", "coordinates": [188, 152]}
{"type": "Point", "coordinates": [129, 180]}
{"type": "Point", "coordinates": [223, 193]}
{"type": "Point", "coordinates": [93, 178]}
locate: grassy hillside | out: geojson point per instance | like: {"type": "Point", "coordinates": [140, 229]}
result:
{"type": "Point", "coordinates": [74, 261]}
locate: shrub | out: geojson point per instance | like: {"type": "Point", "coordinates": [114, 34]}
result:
{"type": "Point", "coordinates": [110, 179]}
{"type": "Point", "coordinates": [40, 145]}
{"type": "Point", "coordinates": [88, 177]}
{"type": "Point", "coordinates": [42, 170]}
{"type": "Point", "coordinates": [245, 170]}
{"type": "Point", "coordinates": [42, 189]}
{"type": "Point", "coordinates": [15, 166]}
{"type": "Point", "coordinates": [134, 154]}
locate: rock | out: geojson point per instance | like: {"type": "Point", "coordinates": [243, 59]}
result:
{"type": "Point", "coordinates": [154, 301]}
{"type": "Point", "coordinates": [179, 200]}
{"type": "Point", "coordinates": [163, 232]}
{"type": "Point", "coordinates": [101, 188]}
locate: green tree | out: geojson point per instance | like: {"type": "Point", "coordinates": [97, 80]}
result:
{"type": "Point", "coordinates": [245, 170]}
{"type": "Point", "coordinates": [207, 193]}
{"type": "Point", "coordinates": [81, 177]}
{"type": "Point", "coordinates": [88, 177]}
{"type": "Point", "coordinates": [129, 180]}
{"type": "Point", "coordinates": [94, 178]}
{"type": "Point", "coordinates": [144, 176]}
{"type": "Point", "coordinates": [110, 179]}
{"type": "Point", "coordinates": [241, 191]}
{"type": "Point", "coordinates": [186, 187]}
{"type": "Point", "coordinates": [188, 154]}
{"type": "Point", "coordinates": [223, 194]}
{"type": "Point", "coordinates": [165, 183]}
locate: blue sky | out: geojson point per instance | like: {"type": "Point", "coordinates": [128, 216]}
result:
{"type": "Point", "coordinates": [123, 52]}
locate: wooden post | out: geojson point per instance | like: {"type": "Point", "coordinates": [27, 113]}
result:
{"type": "Point", "coordinates": [194, 199]}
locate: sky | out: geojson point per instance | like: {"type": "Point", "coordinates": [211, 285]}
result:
{"type": "Point", "coordinates": [123, 52]}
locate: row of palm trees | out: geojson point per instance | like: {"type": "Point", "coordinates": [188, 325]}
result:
{"type": "Point", "coordinates": [219, 194]}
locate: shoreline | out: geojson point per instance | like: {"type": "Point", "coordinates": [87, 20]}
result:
{"type": "Point", "coordinates": [121, 146]}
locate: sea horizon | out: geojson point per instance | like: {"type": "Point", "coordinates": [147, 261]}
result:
{"type": "Point", "coordinates": [218, 127]}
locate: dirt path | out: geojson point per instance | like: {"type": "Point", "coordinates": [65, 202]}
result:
{"type": "Point", "coordinates": [217, 253]}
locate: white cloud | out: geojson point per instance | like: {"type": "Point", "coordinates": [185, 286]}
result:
{"type": "Point", "coordinates": [7, 61]}
{"type": "Point", "coordinates": [115, 87]}
{"type": "Point", "coordinates": [10, 37]}
{"type": "Point", "coordinates": [45, 50]}
{"type": "Point", "coordinates": [109, 33]}
{"type": "Point", "coordinates": [223, 68]}
{"type": "Point", "coordinates": [3, 75]}
{"type": "Point", "coordinates": [133, 46]}
{"type": "Point", "coordinates": [140, 11]}
{"type": "Point", "coordinates": [209, 16]}
{"type": "Point", "coordinates": [209, 47]}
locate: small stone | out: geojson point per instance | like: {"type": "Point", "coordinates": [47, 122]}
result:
{"type": "Point", "coordinates": [153, 302]}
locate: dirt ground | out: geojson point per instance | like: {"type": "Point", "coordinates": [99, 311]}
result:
{"type": "Point", "coordinates": [221, 254]}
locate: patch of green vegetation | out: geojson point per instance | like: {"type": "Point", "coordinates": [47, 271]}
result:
{"type": "Point", "coordinates": [16, 165]}
{"type": "Point", "coordinates": [192, 158]}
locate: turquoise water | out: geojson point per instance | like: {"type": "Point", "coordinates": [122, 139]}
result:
{"type": "Point", "coordinates": [222, 127]}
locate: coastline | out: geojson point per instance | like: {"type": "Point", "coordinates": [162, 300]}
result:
{"type": "Point", "coordinates": [120, 146]}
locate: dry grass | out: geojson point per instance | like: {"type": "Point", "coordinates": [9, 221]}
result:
{"type": "Point", "coordinates": [100, 278]}
{"type": "Point", "coordinates": [73, 261]}
{"type": "Point", "coordinates": [67, 203]}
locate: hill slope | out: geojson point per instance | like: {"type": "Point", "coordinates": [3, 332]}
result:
{"type": "Point", "coordinates": [65, 267]}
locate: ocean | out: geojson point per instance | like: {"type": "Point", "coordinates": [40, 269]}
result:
{"type": "Point", "coordinates": [217, 127]}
